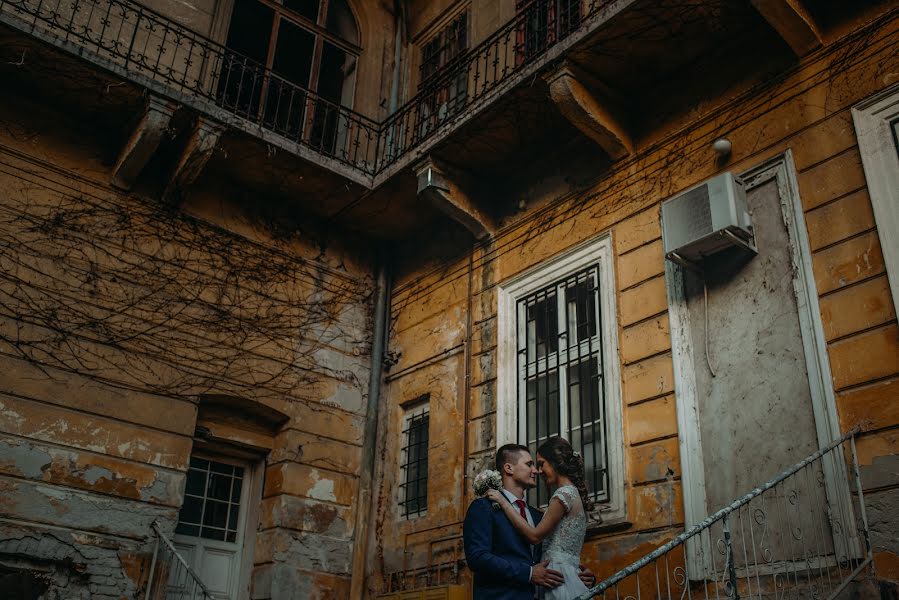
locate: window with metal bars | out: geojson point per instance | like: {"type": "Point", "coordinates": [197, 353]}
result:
{"type": "Point", "coordinates": [414, 485]}
{"type": "Point", "coordinates": [442, 79]}
{"type": "Point", "coordinates": [560, 374]}
{"type": "Point", "coordinates": [544, 23]}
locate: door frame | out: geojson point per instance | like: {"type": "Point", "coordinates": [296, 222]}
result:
{"type": "Point", "coordinates": [249, 518]}
{"type": "Point", "coordinates": [781, 169]}
{"type": "Point", "coordinates": [879, 150]}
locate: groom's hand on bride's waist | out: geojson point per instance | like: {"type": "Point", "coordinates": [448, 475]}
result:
{"type": "Point", "coordinates": [586, 576]}
{"type": "Point", "coordinates": [541, 575]}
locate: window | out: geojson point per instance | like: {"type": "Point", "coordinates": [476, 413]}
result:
{"type": "Point", "coordinates": [877, 127]}
{"type": "Point", "coordinates": [414, 469]}
{"type": "Point", "coordinates": [307, 44]}
{"type": "Point", "coordinates": [442, 78]}
{"type": "Point", "coordinates": [558, 371]}
{"type": "Point", "coordinates": [544, 23]}
{"type": "Point", "coordinates": [212, 498]}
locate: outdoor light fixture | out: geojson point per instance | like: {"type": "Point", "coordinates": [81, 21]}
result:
{"type": "Point", "coordinates": [722, 146]}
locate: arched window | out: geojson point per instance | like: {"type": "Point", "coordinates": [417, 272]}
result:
{"type": "Point", "coordinates": [308, 46]}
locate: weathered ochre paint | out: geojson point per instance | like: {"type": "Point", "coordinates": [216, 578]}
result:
{"type": "Point", "coordinates": [807, 112]}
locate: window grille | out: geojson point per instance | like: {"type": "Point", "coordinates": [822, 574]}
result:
{"type": "Point", "coordinates": [415, 463]}
{"type": "Point", "coordinates": [445, 85]}
{"type": "Point", "coordinates": [211, 506]}
{"type": "Point", "coordinates": [545, 22]}
{"type": "Point", "coordinates": [560, 363]}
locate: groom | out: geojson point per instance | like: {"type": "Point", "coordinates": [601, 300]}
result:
{"type": "Point", "coordinates": [505, 565]}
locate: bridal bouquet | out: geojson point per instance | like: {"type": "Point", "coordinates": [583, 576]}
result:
{"type": "Point", "coordinates": [488, 480]}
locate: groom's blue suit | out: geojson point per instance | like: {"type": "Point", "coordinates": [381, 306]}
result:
{"type": "Point", "coordinates": [499, 556]}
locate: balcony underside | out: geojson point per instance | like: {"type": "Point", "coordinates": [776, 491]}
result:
{"type": "Point", "coordinates": [50, 90]}
{"type": "Point", "coordinates": [646, 64]}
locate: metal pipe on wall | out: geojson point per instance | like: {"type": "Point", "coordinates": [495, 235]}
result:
{"type": "Point", "coordinates": [367, 464]}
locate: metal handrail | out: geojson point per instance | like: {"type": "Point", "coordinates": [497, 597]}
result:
{"type": "Point", "coordinates": [723, 514]}
{"type": "Point", "coordinates": [174, 570]}
{"type": "Point", "coordinates": [147, 43]}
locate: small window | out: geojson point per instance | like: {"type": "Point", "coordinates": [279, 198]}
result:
{"type": "Point", "coordinates": [415, 462]}
{"type": "Point", "coordinates": [443, 79]}
{"type": "Point", "coordinates": [212, 495]}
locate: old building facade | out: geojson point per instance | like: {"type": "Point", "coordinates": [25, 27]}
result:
{"type": "Point", "coordinates": [279, 277]}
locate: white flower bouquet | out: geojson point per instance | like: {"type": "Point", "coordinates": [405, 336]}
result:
{"type": "Point", "coordinates": [488, 480]}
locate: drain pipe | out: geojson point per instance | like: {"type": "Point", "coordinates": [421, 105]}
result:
{"type": "Point", "coordinates": [367, 464]}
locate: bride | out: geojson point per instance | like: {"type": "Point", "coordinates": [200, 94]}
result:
{"type": "Point", "coordinates": [564, 523]}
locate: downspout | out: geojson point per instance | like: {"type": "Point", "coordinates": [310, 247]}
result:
{"type": "Point", "coordinates": [367, 464]}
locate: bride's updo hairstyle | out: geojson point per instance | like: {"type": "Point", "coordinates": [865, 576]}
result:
{"type": "Point", "coordinates": [565, 461]}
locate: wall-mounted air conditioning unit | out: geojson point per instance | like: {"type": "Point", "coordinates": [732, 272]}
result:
{"type": "Point", "coordinates": [705, 220]}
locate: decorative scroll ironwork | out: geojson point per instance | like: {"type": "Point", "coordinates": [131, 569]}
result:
{"type": "Point", "coordinates": [802, 534]}
{"type": "Point", "coordinates": [151, 48]}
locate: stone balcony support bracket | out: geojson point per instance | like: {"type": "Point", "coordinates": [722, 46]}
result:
{"type": "Point", "coordinates": [444, 189]}
{"type": "Point", "coordinates": [793, 22]}
{"type": "Point", "coordinates": [201, 144]}
{"type": "Point", "coordinates": [143, 142]}
{"type": "Point", "coordinates": [584, 111]}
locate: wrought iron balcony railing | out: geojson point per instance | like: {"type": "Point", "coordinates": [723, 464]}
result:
{"type": "Point", "coordinates": [803, 534]}
{"type": "Point", "coordinates": [153, 49]}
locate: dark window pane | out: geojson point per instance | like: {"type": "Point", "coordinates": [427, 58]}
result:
{"type": "Point", "coordinates": [251, 29]}
{"type": "Point", "coordinates": [306, 8]}
{"type": "Point", "coordinates": [191, 510]}
{"type": "Point", "coordinates": [224, 468]}
{"type": "Point", "coordinates": [415, 467]}
{"type": "Point", "coordinates": [219, 487]}
{"type": "Point", "coordinates": [231, 537]}
{"type": "Point", "coordinates": [216, 514]}
{"type": "Point", "coordinates": [199, 463]}
{"type": "Point", "coordinates": [293, 53]}
{"type": "Point", "coordinates": [196, 483]}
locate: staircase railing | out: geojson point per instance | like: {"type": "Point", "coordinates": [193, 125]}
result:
{"type": "Point", "coordinates": [170, 576]}
{"type": "Point", "coordinates": [803, 534]}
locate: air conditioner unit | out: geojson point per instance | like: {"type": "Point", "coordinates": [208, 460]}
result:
{"type": "Point", "coordinates": [705, 220]}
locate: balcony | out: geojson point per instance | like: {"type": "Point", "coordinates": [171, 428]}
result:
{"type": "Point", "coordinates": [634, 58]}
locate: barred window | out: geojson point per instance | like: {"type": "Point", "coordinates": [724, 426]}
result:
{"type": "Point", "coordinates": [415, 462]}
{"type": "Point", "coordinates": [560, 373]}
{"type": "Point", "coordinates": [544, 23]}
{"type": "Point", "coordinates": [443, 83]}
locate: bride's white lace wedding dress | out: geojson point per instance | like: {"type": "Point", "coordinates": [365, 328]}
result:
{"type": "Point", "coordinates": [562, 547]}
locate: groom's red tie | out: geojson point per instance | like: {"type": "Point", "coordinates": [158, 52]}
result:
{"type": "Point", "coordinates": [520, 505]}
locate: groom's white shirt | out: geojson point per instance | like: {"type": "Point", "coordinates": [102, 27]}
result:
{"type": "Point", "coordinates": [527, 511]}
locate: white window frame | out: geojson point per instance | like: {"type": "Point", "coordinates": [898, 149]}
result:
{"type": "Point", "coordinates": [595, 252]}
{"type": "Point", "coordinates": [880, 159]}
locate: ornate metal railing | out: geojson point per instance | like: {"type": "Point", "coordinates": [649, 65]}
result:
{"type": "Point", "coordinates": [171, 578]}
{"type": "Point", "coordinates": [538, 27]}
{"type": "Point", "coordinates": [150, 46]}
{"type": "Point", "coordinates": [153, 48]}
{"type": "Point", "coordinates": [804, 534]}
